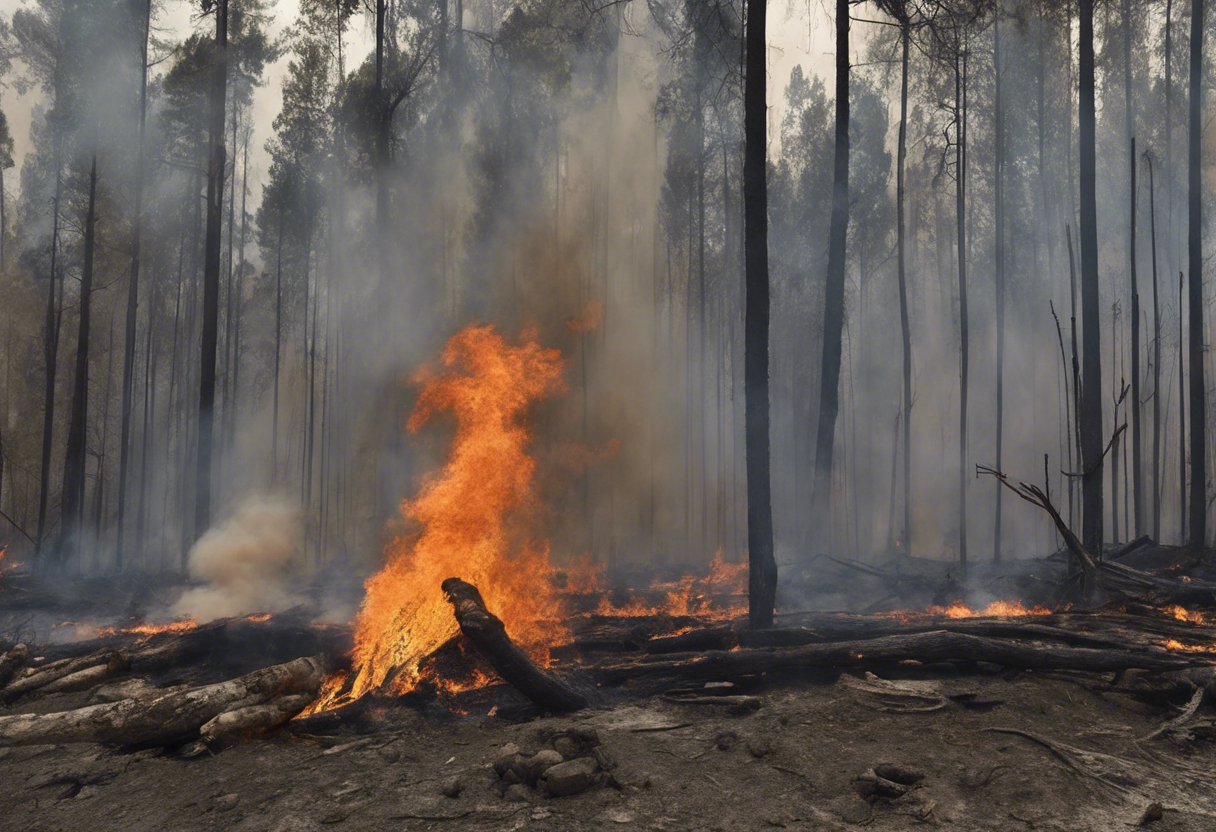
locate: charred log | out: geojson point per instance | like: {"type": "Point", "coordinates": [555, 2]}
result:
{"type": "Point", "coordinates": [488, 634]}
{"type": "Point", "coordinates": [176, 716]}
{"type": "Point", "coordinates": [930, 647]}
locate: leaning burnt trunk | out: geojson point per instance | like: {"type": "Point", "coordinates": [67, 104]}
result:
{"type": "Point", "coordinates": [488, 634]}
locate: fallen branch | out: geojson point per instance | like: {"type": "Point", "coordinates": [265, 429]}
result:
{"type": "Point", "coordinates": [487, 633]}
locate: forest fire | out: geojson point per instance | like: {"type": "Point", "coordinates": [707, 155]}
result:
{"type": "Point", "coordinates": [472, 518]}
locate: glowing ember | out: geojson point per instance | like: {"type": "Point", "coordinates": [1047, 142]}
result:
{"type": "Point", "coordinates": [720, 594]}
{"type": "Point", "coordinates": [146, 631]}
{"type": "Point", "coordinates": [1183, 614]}
{"type": "Point", "coordinates": [472, 519]}
{"type": "Point", "coordinates": [1175, 644]}
{"type": "Point", "coordinates": [957, 609]}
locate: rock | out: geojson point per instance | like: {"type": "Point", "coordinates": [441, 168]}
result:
{"type": "Point", "coordinates": [518, 794]}
{"type": "Point", "coordinates": [536, 766]}
{"type": "Point", "coordinates": [227, 801]}
{"type": "Point", "coordinates": [607, 778]}
{"type": "Point", "coordinates": [511, 777]}
{"type": "Point", "coordinates": [871, 784]}
{"type": "Point", "coordinates": [1152, 812]}
{"type": "Point", "coordinates": [899, 773]}
{"type": "Point", "coordinates": [603, 758]}
{"type": "Point", "coordinates": [571, 777]}
{"type": "Point", "coordinates": [451, 787]}
{"type": "Point", "coordinates": [566, 746]}
{"type": "Point", "coordinates": [508, 755]}
{"type": "Point", "coordinates": [499, 787]}
{"type": "Point", "coordinates": [758, 747]}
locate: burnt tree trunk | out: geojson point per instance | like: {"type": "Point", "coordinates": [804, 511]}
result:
{"type": "Point", "coordinates": [211, 272]}
{"type": "Point", "coordinates": [1156, 484]}
{"type": "Point", "coordinates": [1197, 536]}
{"type": "Point", "coordinates": [999, 245]}
{"type": "Point", "coordinates": [488, 634]}
{"type": "Point", "coordinates": [960, 198]}
{"type": "Point", "coordinates": [833, 304]}
{"type": "Point", "coordinates": [72, 511]}
{"type": "Point", "coordinates": [1137, 483]}
{"type": "Point", "coordinates": [1090, 414]}
{"type": "Point", "coordinates": [762, 566]}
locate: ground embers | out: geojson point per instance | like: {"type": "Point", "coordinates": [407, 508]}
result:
{"type": "Point", "coordinates": [573, 762]}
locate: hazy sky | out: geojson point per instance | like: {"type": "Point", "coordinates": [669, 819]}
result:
{"type": "Point", "coordinates": [799, 32]}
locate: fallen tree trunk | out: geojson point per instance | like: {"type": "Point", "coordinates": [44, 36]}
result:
{"type": "Point", "coordinates": [254, 719]}
{"type": "Point", "coordinates": [39, 677]}
{"type": "Point", "coordinates": [487, 633]}
{"type": "Point", "coordinates": [937, 646]}
{"type": "Point", "coordinates": [12, 661]}
{"type": "Point", "coordinates": [167, 719]}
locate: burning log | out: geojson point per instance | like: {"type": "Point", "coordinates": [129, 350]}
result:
{"type": "Point", "coordinates": [930, 647]}
{"type": "Point", "coordinates": [179, 715]}
{"type": "Point", "coordinates": [254, 719]}
{"type": "Point", "coordinates": [489, 636]}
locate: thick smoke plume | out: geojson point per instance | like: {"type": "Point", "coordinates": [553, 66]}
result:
{"type": "Point", "coordinates": [244, 561]}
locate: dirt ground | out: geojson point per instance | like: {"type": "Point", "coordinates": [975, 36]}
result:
{"type": "Point", "coordinates": [792, 764]}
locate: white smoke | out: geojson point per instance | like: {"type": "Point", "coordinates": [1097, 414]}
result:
{"type": "Point", "coordinates": [244, 562]}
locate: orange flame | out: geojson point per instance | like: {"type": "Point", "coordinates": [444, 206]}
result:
{"type": "Point", "coordinates": [146, 631]}
{"type": "Point", "coordinates": [1183, 614]}
{"type": "Point", "coordinates": [957, 609]}
{"type": "Point", "coordinates": [471, 516]}
{"type": "Point", "coordinates": [720, 594]}
{"type": "Point", "coordinates": [587, 320]}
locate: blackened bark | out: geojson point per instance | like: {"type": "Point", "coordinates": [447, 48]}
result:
{"type": "Point", "coordinates": [72, 500]}
{"type": "Point", "coordinates": [1090, 418]}
{"type": "Point", "coordinates": [905, 329]}
{"type": "Point", "coordinates": [999, 245]}
{"type": "Point", "coordinates": [762, 566]}
{"type": "Point", "coordinates": [211, 271]}
{"type": "Point", "coordinates": [128, 359]}
{"type": "Point", "coordinates": [833, 302]}
{"type": "Point", "coordinates": [1152, 216]}
{"type": "Point", "coordinates": [1198, 526]}
{"type": "Point", "coordinates": [1137, 483]}
{"type": "Point", "coordinates": [960, 197]}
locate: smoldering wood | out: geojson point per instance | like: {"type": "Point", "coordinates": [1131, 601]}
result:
{"type": "Point", "coordinates": [488, 634]}
{"type": "Point", "coordinates": [244, 722]}
{"type": "Point", "coordinates": [174, 716]}
{"type": "Point", "coordinates": [929, 647]}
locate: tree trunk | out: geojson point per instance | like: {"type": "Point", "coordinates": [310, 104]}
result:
{"type": "Point", "coordinates": [960, 197]}
{"type": "Point", "coordinates": [1152, 214]}
{"type": "Point", "coordinates": [72, 511]}
{"type": "Point", "coordinates": [762, 566]}
{"type": "Point", "coordinates": [833, 303]}
{"type": "Point", "coordinates": [1137, 483]}
{"type": "Point", "coordinates": [1090, 418]}
{"type": "Point", "coordinates": [1197, 537]}
{"type": "Point", "coordinates": [278, 348]}
{"type": "Point", "coordinates": [905, 329]}
{"type": "Point", "coordinates": [128, 360]}
{"type": "Point", "coordinates": [211, 272]}
{"type": "Point", "coordinates": [999, 245]}
{"type": "Point", "coordinates": [51, 352]}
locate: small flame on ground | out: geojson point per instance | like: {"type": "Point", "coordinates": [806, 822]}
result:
{"type": "Point", "coordinates": [957, 609]}
{"type": "Point", "coordinates": [1183, 614]}
{"type": "Point", "coordinates": [471, 517]}
{"type": "Point", "coordinates": [719, 594]}
{"type": "Point", "coordinates": [146, 631]}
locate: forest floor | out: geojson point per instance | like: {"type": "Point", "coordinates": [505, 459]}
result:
{"type": "Point", "coordinates": [791, 764]}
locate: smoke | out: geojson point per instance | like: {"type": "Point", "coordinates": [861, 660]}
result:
{"type": "Point", "coordinates": [244, 561]}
